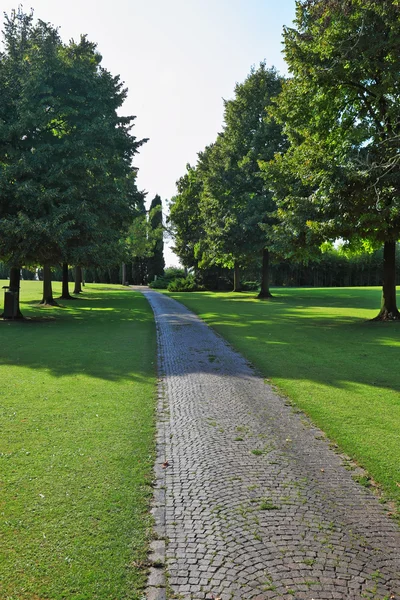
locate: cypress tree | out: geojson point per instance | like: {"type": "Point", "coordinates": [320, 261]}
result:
{"type": "Point", "coordinates": [156, 263]}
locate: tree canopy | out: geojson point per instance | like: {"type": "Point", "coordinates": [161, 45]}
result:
{"type": "Point", "coordinates": [340, 112]}
{"type": "Point", "coordinates": [67, 187]}
{"type": "Point", "coordinates": [225, 198]}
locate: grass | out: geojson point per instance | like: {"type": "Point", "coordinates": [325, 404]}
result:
{"type": "Point", "coordinates": [77, 401]}
{"type": "Point", "coordinates": [319, 347]}
{"type": "Point", "coordinates": [267, 504]}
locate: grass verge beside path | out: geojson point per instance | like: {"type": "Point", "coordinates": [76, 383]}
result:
{"type": "Point", "coordinates": [318, 347]}
{"type": "Point", "coordinates": [77, 401]}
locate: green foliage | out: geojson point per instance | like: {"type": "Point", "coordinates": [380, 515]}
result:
{"type": "Point", "coordinates": [155, 262]}
{"type": "Point", "coordinates": [77, 444]}
{"type": "Point", "coordinates": [170, 274]}
{"type": "Point", "coordinates": [332, 268]}
{"type": "Point", "coordinates": [341, 114]}
{"type": "Point", "coordinates": [317, 346]}
{"type": "Point", "coordinates": [185, 284]}
{"type": "Point", "coordinates": [66, 183]}
{"type": "Point", "coordinates": [237, 207]}
{"type": "Point", "coordinates": [173, 272]}
{"type": "Point", "coordinates": [185, 217]}
{"type": "Point", "coordinates": [223, 211]}
{"type": "Point", "coordinates": [136, 244]}
{"type": "Point", "coordinates": [160, 283]}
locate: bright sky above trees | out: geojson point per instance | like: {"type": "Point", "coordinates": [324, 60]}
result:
{"type": "Point", "coordinates": [179, 58]}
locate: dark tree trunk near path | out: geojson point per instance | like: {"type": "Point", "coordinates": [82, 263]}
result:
{"type": "Point", "coordinates": [237, 287]}
{"type": "Point", "coordinates": [47, 299]}
{"type": "Point", "coordinates": [78, 280]}
{"type": "Point", "coordinates": [389, 310]}
{"type": "Point", "coordinates": [264, 292]}
{"type": "Point", "coordinates": [15, 277]}
{"type": "Point", "coordinates": [65, 295]}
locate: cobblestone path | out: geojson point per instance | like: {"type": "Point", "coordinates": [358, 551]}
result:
{"type": "Point", "coordinates": [253, 502]}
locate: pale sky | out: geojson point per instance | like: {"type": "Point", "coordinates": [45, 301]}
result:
{"type": "Point", "coordinates": [178, 58]}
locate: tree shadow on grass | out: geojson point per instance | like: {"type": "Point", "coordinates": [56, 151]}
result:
{"type": "Point", "coordinates": [323, 336]}
{"type": "Point", "coordinates": [109, 336]}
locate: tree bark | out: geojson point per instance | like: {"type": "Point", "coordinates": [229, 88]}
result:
{"type": "Point", "coordinates": [264, 292]}
{"type": "Point", "coordinates": [78, 280]}
{"type": "Point", "coordinates": [15, 313]}
{"type": "Point", "coordinates": [237, 287]}
{"type": "Point", "coordinates": [123, 274]}
{"type": "Point", "coordinates": [47, 299]}
{"type": "Point", "coordinates": [389, 310]}
{"type": "Point", "coordinates": [65, 295]}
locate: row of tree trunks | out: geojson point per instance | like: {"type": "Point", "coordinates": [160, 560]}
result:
{"type": "Point", "coordinates": [388, 312]}
{"type": "Point", "coordinates": [48, 299]}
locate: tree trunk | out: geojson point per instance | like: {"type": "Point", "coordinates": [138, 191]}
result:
{"type": "Point", "coordinates": [78, 280]}
{"type": "Point", "coordinates": [389, 311]}
{"type": "Point", "coordinates": [123, 274]}
{"type": "Point", "coordinates": [264, 292]}
{"type": "Point", "coordinates": [83, 277]}
{"type": "Point", "coordinates": [47, 299]}
{"type": "Point", "coordinates": [236, 278]}
{"type": "Point", "coordinates": [12, 310]}
{"type": "Point", "coordinates": [65, 295]}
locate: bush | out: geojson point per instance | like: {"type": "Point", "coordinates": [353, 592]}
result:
{"type": "Point", "coordinates": [185, 284]}
{"type": "Point", "coordinates": [170, 274]}
{"type": "Point", "coordinates": [159, 284]}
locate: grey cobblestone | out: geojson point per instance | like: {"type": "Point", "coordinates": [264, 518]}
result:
{"type": "Point", "coordinates": [286, 522]}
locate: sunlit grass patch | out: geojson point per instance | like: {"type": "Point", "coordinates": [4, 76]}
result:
{"type": "Point", "coordinates": [77, 402]}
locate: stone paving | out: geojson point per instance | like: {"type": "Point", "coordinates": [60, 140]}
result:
{"type": "Point", "coordinates": [250, 499]}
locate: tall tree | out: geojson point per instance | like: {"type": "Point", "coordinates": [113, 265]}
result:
{"type": "Point", "coordinates": [185, 216]}
{"type": "Point", "coordinates": [341, 112]}
{"type": "Point", "coordinates": [137, 247]}
{"type": "Point", "coordinates": [156, 263]}
{"type": "Point", "coordinates": [65, 153]}
{"type": "Point", "coordinates": [237, 206]}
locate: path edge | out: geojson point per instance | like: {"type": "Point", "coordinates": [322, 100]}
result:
{"type": "Point", "coordinates": [157, 580]}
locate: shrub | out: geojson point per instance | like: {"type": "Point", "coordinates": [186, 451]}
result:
{"type": "Point", "coordinates": [185, 284]}
{"type": "Point", "coordinates": [170, 274]}
{"type": "Point", "coordinates": [159, 284]}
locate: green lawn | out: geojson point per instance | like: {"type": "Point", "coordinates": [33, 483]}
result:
{"type": "Point", "coordinates": [319, 348]}
{"type": "Point", "coordinates": [77, 400]}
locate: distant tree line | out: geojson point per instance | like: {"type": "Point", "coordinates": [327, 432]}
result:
{"type": "Point", "coordinates": [305, 161]}
{"type": "Point", "coordinates": [145, 245]}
